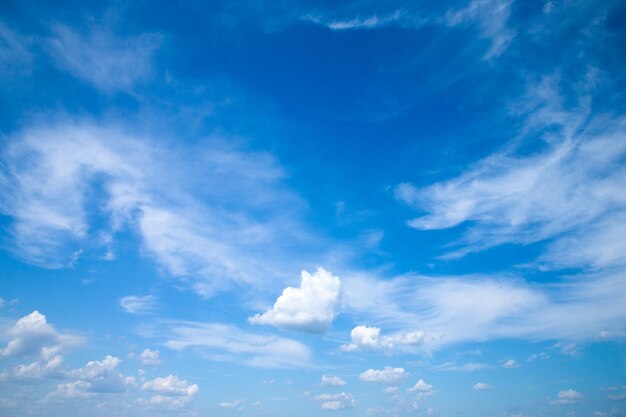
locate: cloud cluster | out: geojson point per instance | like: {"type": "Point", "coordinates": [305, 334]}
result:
{"type": "Point", "coordinates": [169, 391]}
{"type": "Point", "coordinates": [311, 307]}
{"type": "Point", "coordinates": [332, 380]}
{"type": "Point", "coordinates": [333, 402]}
{"type": "Point", "coordinates": [369, 337]}
{"type": "Point", "coordinates": [422, 389]}
{"type": "Point", "coordinates": [388, 375]}
{"type": "Point", "coordinates": [567, 397]}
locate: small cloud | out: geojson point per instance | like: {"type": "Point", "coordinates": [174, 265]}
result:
{"type": "Point", "coordinates": [567, 397]}
{"type": "Point", "coordinates": [332, 380]}
{"type": "Point", "coordinates": [481, 386]}
{"type": "Point", "coordinates": [369, 337]}
{"type": "Point", "coordinates": [422, 388]}
{"type": "Point", "coordinates": [618, 396]}
{"type": "Point", "coordinates": [537, 356]}
{"type": "Point", "coordinates": [388, 375]}
{"type": "Point", "coordinates": [169, 392]}
{"type": "Point", "coordinates": [309, 308]}
{"type": "Point", "coordinates": [135, 304]}
{"type": "Point", "coordinates": [454, 367]}
{"type": "Point", "coordinates": [150, 357]}
{"type": "Point", "coordinates": [358, 22]}
{"type": "Point", "coordinates": [333, 402]}
{"type": "Point", "coordinates": [231, 404]}
{"type": "Point", "coordinates": [510, 364]}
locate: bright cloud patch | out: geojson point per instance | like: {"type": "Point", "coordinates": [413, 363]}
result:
{"type": "Point", "coordinates": [388, 375]}
{"type": "Point", "coordinates": [333, 380]}
{"type": "Point", "coordinates": [150, 357]}
{"type": "Point", "coordinates": [135, 304]}
{"type": "Point", "coordinates": [481, 386]}
{"type": "Point", "coordinates": [310, 308]}
{"type": "Point", "coordinates": [369, 337]}
{"type": "Point", "coordinates": [333, 402]}
{"type": "Point", "coordinates": [568, 397]}
{"type": "Point", "coordinates": [170, 391]}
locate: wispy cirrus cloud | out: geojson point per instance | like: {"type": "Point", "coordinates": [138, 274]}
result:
{"type": "Point", "coordinates": [107, 61]}
{"type": "Point", "coordinates": [223, 342]}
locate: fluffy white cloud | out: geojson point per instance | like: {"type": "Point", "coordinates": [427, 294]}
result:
{"type": "Point", "coordinates": [338, 401]}
{"type": "Point", "coordinates": [422, 388]}
{"type": "Point", "coordinates": [388, 375]}
{"type": "Point", "coordinates": [311, 307]}
{"type": "Point", "coordinates": [510, 364]}
{"type": "Point", "coordinates": [481, 386]}
{"type": "Point", "coordinates": [150, 357]}
{"type": "Point", "coordinates": [369, 337]}
{"type": "Point", "coordinates": [170, 392]}
{"type": "Point", "coordinates": [102, 376]}
{"type": "Point", "coordinates": [228, 343]}
{"type": "Point", "coordinates": [332, 380]}
{"type": "Point", "coordinates": [568, 397]}
{"type": "Point", "coordinates": [32, 335]}
{"type": "Point", "coordinates": [135, 304]}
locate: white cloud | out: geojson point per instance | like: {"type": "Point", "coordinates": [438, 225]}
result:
{"type": "Point", "coordinates": [102, 376]}
{"type": "Point", "coordinates": [491, 17]}
{"type": "Point", "coordinates": [150, 357]}
{"type": "Point", "coordinates": [358, 22]}
{"type": "Point", "coordinates": [422, 389]}
{"type": "Point", "coordinates": [231, 404]}
{"type": "Point", "coordinates": [481, 386]}
{"type": "Point", "coordinates": [221, 217]}
{"type": "Point", "coordinates": [32, 335]}
{"type": "Point", "coordinates": [311, 307]}
{"type": "Point", "coordinates": [333, 402]}
{"type": "Point", "coordinates": [510, 364]}
{"type": "Point", "coordinates": [228, 343]}
{"type": "Point", "coordinates": [109, 62]}
{"type": "Point", "coordinates": [135, 304]}
{"type": "Point", "coordinates": [568, 397]}
{"type": "Point", "coordinates": [369, 337]}
{"type": "Point", "coordinates": [332, 380]}
{"type": "Point", "coordinates": [170, 391]}
{"type": "Point", "coordinates": [452, 366]}
{"type": "Point", "coordinates": [388, 375]}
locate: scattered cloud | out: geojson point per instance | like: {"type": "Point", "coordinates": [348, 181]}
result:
{"type": "Point", "coordinates": [107, 61]}
{"type": "Point", "coordinates": [15, 52]}
{"type": "Point", "coordinates": [388, 375]}
{"type": "Point", "coordinates": [422, 389]}
{"type": "Point", "coordinates": [332, 380]}
{"type": "Point", "coordinates": [481, 386]}
{"type": "Point", "coordinates": [371, 22]}
{"type": "Point", "coordinates": [510, 364]}
{"type": "Point", "coordinates": [136, 304]}
{"type": "Point", "coordinates": [369, 337]}
{"type": "Point", "coordinates": [491, 17]}
{"type": "Point", "coordinates": [228, 343]}
{"type": "Point", "coordinates": [333, 402]}
{"type": "Point", "coordinates": [618, 396]}
{"type": "Point", "coordinates": [150, 357]}
{"type": "Point", "coordinates": [231, 404]}
{"type": "Point", "coordinates": [568, 397]}
{"type": "Point", "coordinates": [310, 308]}
{"type": "Point", "coordinates": [169, 391]}
{"type": "Point", "coordinates": [452, 366]}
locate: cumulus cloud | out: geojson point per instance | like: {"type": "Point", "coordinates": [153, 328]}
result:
{"type": "Point", "coordinates": [32, 335]}
{"type": "Point", "coordinates": [422, 389]}
{"type": "Point", "coordinates": [150, 357]}
{"type": "Point", "coordinates": [567, 397]}
{"type": "Point", "coordinates": [170, 391]}
{"type": "Point", "coordinates": [388, 375]}
{"type": "Point", "coordinates": [369, 337]}
{"type": "Point", "coordinates": [481, 386]}
{"type": "Point", "coordinates": [332, 380]}
{"type": "Point", "coordinates": [228, 343]}
{"type": "Point", "coordinates": [333, 402]}
{"type": "Point", "coordinates": [311, 307]}
{"type": "Point", "coordinates": [135, 304]}
{"type": "Point", "coordinates": [102, 376]}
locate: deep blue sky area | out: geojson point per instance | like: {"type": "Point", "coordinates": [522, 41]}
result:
{"type": "Point", "coordinates": [358, 208]}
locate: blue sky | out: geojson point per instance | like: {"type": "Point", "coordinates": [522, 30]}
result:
{"type": "Point", "coordinates": [307, 208]}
